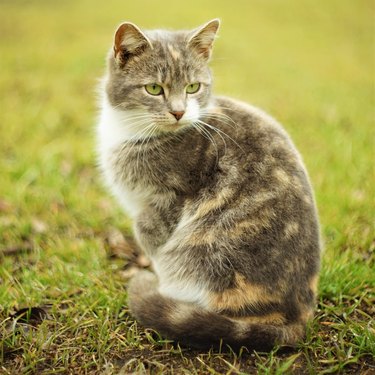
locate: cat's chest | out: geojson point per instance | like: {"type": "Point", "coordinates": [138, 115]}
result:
{"type": "Point", "coordinates": [134, 200]}
{"type": "Point", "coordinates": [152, 172]}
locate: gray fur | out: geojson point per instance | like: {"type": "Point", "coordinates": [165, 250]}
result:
{"type": "Point", "coordinates": [231, 209]}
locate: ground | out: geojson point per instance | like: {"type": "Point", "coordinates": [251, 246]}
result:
{"type": "Point", "coordinates": [63, 246]}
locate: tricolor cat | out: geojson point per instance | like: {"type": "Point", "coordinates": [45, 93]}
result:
{"type": "Point", "coordinates": [219, 197]}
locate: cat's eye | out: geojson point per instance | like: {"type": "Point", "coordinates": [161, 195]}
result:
{"type": "Point", "coordinates": [193, 88]}
{"type": "Point", "coordinates": [154, 89]}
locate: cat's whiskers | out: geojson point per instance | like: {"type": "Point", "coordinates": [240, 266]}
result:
{"type": "Point", "coordinates": [120, 105]}
{"type": "Point", "coordinates": [138, 135]}
{"type": "Point", "coordinates": [146, 138]}
{"type": "Point", "coordinates": [219, 117]}
{"type": "Point", "coordinates": [222, 119]}
{"type": "Point", "coordinates": [222, 138]}
{"type": "Point", "coordinates": [208, 136]}
{"type": "Point", "coordinates": [145, 148]}
{"type": "Point", "coordinates": [117, 106]}
{"type": "Point", "coordinates": [212, 111]}
{"type": "Point", "coordinates": [135, 120]}
{"type": "Point", "coordinates": [221, 132]}
{"type": "Point", "coordinates": [134, 140]}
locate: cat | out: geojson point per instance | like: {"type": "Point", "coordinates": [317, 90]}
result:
{"type": "Point", "coordinates": [219, 197]}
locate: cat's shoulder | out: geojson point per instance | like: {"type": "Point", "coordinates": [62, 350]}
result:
{"type": "Point", "coordinates": [248, 115]}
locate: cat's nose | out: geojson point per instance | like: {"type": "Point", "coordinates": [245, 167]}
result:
{"type": "Point", "coordinates": [177, 114]}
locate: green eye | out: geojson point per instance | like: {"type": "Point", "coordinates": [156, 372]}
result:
{"type": "Point", "coordinates": [193, 88]}
{"type": "Point", "coordinates": [154, 89]}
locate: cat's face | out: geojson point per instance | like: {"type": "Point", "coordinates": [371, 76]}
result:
{"type": "Point", "coordinates": [160, 81]}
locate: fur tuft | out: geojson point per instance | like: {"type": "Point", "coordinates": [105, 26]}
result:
{"type": "Point", "coordinates": [192, 326]}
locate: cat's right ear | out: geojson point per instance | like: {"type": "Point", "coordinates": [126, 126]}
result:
{"type": "Point", "coordinates": [129, 41]}
{"type": "Point", "coordinates": [202, 39]}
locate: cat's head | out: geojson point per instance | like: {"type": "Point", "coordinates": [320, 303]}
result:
{"type": "Point", "coordinates": [160, 77]}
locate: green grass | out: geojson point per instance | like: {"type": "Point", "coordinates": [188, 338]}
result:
{"type": "Point", "coordinates": [309, 64]}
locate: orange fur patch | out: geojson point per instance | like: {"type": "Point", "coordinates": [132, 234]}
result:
{"type": "Point", "coordinates": [274, 318]}
{"type": "Point", "coordinates": [252, 225]}
{"type": "Point", "coordinates": [282, 177]}
{"type": "Point", "coordinates": [214, 203]}
{"type": "Point", "coordinates": [243, 294]}
{"type": "Point", "coordinates": [174, 53]}
{"type": "Point", "coordinates": [291, 229]}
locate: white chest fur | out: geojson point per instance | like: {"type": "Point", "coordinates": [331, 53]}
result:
{"type": "Point", "coordinates": [114, 129]}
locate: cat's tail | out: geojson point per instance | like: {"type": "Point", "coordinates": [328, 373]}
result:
{"type": "Point", "coordinates": [193, 326]}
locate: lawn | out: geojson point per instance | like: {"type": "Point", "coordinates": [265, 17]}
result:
{"type": "Point", "coordinates": [63, 246]}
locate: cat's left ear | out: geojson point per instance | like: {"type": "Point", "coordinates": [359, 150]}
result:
{"type": "Point", "coordinates": [129, 41]}
{"type": "Point", "coordinates": [203, 38]}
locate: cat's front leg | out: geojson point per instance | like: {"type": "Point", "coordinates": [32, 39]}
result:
{"type": "Point", "coordinates": [150, 231]}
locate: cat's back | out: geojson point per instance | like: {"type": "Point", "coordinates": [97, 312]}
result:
{"type": "Point", "coordinates": [251, 125]}
{"type": "Point", "coordinates": [258, 150]}
{"type": "Point", "coordinates": [263, 192]}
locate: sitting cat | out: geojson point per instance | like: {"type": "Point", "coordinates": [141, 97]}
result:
{"type": "Point", "coordinates": [219, 196]}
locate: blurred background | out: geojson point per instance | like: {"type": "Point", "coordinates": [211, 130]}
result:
{"type": "Point", "coordinates": [308, 63]}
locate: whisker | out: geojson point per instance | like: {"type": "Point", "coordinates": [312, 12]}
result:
{"type": "Point", "coordinates": [137, 120]}
{"type": "Point", "coordinates": [134, 140]}
{"type": "Point", "coordinates": [145, 139]}
{"type": "Point", "coordinates": [220, 117]}
{"type": "Point", "coordinates": [153, 130]}
{"type": "Point", "coordinates": [221, 120]}
{"type": "Point", "coordinates": [220, 131]}
{"type": "Point", "coordinates": [223, 116]}
{"type": "Point", "coordinates": [208, 136]}
{"type": "Point", "coordinates": [222, 138]}
{"type": "Point", "coordinates": [135, 137]}
{"type": "Point", "coordinates": [228, 108]}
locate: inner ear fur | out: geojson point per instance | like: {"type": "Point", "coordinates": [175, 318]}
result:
{"type": "Point", "coordinates": [129, 40]}
{"type": "Point", "coordinates": [203, 38]}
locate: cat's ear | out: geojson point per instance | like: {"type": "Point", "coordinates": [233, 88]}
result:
{"type": "Point", "coordinates": [203, 38]}
{"type": "Point", "coordinates": [129, 40]}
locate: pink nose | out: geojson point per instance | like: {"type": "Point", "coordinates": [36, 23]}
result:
{"type": "Point", "coordinates": [177, 114]}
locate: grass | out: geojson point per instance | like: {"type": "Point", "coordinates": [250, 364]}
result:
{"type": "Point", "coordinates": [311, 65]}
